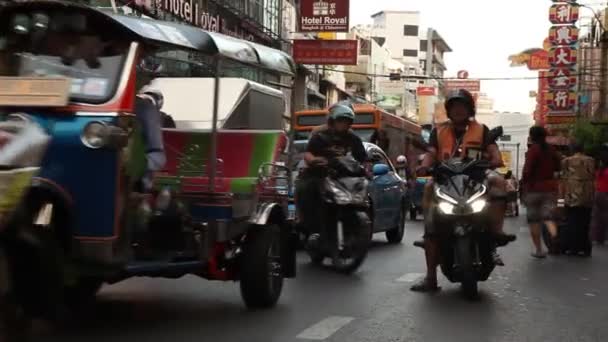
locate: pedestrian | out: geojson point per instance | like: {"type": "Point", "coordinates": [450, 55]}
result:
{"type": "Point", "coordinates": [599, 218]}
{"type": "Point", "coordinates": [577, 190]}
{"type": "Point", "coordinates": [540, 186]}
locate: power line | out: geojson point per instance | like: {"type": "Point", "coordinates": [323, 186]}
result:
{"type": "Point", "coordinates": [422, 77]}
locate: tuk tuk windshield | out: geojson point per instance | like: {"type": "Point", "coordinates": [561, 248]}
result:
{"type": "Point", "coordinates": [91, 59]}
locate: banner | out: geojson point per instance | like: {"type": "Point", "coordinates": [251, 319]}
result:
{"type": "Point", "coordinates": [325, 52]}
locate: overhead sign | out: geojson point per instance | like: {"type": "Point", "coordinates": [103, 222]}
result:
{"type": "Point", "coordinates": [561, 119]}
{"type": "Point", "coordinates": [325, 52]}
{"type": "Point", "coordinates": [470, 85]}
{"type": "Point", "coordinates": [563, 13]}
{"type": "Point", "coordinates": [534, 59]}
{"type": "Point", "coordinates": [562, 78]}
{"type": "Point", "coordinates": [425, 91]}
{"type": "Point", "coordinates": [391, 87]}
{"type": "Point", "coordinates": [563, 35]}
{"type": "Point", "coordinates": [563, 56]}
{"type": "Point", "coordinates": [324, 15]}
{"type": "Point", "coordinates": [561, 102]}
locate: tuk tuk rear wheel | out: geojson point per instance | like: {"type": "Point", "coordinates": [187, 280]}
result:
{"type": "Point", "coordinates": [261, 278]}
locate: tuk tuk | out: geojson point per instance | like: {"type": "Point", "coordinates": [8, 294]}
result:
{"type": "Point", "coordinates": [219, 207]}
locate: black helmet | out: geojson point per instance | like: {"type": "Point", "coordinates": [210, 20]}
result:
{"type": "Point", "coordinates": [460, 95]}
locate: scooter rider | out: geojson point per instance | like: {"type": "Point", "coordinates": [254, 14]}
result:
{"type": "Point", "coordinates": [331, 140]}
{"type": "Point", "coordinates": [449, 140]}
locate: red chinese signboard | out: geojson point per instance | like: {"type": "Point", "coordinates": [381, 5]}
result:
{"type": "Point", "coordinates": [563, 57]}
{"type": "Point", "coordinates": [325, 52]}
{"type": "Point", "coordinates": [471, 85]}
{"type": "Point", "coordinates": [324, 15]}
{"type": "Point", "coordinates": [425, 91]}
{"type": "Point", "coordinates": [563, 35]}
{"type": "Point", "coordinates": [539, 60]}
{"type": "Point", "coordinates": [562, 78]}
{"type": "Point", "coordinates": [561, 102]}
{"type": "Point", "coordinates": [563, 13]}
{"type": "Point", "coordinates": [541, 98]}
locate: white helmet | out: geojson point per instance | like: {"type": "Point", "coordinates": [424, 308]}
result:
{"type": "Point", "coordinates": [402, 159]}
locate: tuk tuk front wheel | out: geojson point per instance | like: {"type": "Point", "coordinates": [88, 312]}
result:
{"type": "Point", "coordinates": [260, 267]}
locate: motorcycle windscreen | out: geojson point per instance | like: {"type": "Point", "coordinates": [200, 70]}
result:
{"type": "Point", "coordinates": [346, 191]}
{"type": "Point", "coordinates": [460, 187]}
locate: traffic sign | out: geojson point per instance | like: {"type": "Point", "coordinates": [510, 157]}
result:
{"type": "Point", "coordinates": [463, 74]}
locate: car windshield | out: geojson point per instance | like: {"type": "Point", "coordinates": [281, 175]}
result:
{"type": "Point", "coordinates": [93, 62]}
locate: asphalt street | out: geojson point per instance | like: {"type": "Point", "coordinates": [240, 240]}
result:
{"type": "Point", "coordinates": [556, 299]}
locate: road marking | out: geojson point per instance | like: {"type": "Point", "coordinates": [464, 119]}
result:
{"type": "Point", "coordinates": [325, 328]}
{"type": "Point", "coordinates": [409, 277]}
{"type": "Point", "coordinates": [590, 294]}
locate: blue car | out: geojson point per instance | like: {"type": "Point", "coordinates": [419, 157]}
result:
{"type": "Point", "coordinates": [387, 194]}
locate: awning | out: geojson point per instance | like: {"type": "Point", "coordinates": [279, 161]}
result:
{"type": "Point", "coordinates": [169, 34]}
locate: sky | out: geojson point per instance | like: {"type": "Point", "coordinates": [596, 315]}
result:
{"type": "Point", "coordinates": [482, 35]}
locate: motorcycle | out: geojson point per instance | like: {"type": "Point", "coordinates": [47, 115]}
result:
{"type": "Point", "coordinates": [466, 243]}
{"type": "Point", "coordinates": [346, 230]}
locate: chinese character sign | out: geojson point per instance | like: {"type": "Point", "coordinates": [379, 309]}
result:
{"type": "Point", "coordinates": [563, 35]}
{"type": "Point", "coordinates": [563, 56]}
{"type": "Point", "coordinates": [561, 101]}
{"type": "Point", "coordinates": [562, 78]}
{"type": "Point", "coordinates": [563, 13]}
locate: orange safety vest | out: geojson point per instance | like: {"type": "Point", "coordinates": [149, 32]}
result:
{"type": "Point", "coordinates": [446, 139]}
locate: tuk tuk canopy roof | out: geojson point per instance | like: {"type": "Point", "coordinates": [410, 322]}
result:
{"type": "Point", "coordinates": [176, 35]}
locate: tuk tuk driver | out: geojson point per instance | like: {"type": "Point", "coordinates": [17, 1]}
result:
{"type": "Point", "coordinates": [449, 140]}
{"type": "Point", "coordinates": [150, 119]}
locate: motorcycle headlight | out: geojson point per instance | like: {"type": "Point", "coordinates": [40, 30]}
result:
{"type": "Point", "coordinates": [446, 208]}
{"type": "Point", "coordinates": [478, 205]}
{"type": "Point", "coordinates": [341, 196]}
{"type": "Point", "coordinates": [94, 134]}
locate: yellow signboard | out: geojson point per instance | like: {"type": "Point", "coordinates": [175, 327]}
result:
{"type": "Point", "coordinates": [507, 160]}
{"type": "Point", "coordinates": [327, 35]}
{"type": "Point", "coordinates": [34, 92]}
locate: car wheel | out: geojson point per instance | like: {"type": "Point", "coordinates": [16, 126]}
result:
{"type": "Point", "coordinates": [395, 235]}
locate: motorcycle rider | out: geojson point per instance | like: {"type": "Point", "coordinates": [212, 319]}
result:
{"type": "Point", "coordinates": [334, 139]}
{"type": "Point", "coordinates": [454, 138]}
{"type": "Point", "coordinates": [159, 101]}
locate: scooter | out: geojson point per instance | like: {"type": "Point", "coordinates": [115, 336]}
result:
{"type": "Point", "coordinates": [346, 230]}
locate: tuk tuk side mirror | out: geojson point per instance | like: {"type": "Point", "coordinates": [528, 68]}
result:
{"type": "Point", "coordinates": [380, 169]}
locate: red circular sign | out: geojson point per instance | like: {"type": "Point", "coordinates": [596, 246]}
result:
{"type": "Point", "coordinates": [463, 74]}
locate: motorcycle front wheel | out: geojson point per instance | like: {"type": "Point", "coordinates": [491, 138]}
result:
{"type": "Point", "coordinates": [465, 261]}
{"type": "Point", "coordinates": [359, 234]}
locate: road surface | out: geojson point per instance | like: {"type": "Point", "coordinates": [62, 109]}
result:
{"type": "Point", "coordinates": [557, 299]}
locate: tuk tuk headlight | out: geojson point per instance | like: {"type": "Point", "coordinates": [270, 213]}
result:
{"type": "Point", "coordinates": [94, 134]}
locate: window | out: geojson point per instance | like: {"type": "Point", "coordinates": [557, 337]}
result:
{"type": "Point", "coordinates": [423, 44]}
{"type": "Point", "coordinates": [423, 65]}
{"type": "Point", "coordinates": [271, 15]}
{"type": "Point", "coordinates": [410, 53]}
{"type": "Point", "coordinates": [410, 30]}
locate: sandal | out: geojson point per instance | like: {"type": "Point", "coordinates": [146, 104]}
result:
{"type": "Point", "coordinates": [539, 255]}
{"type": "Point", "coordinates": [425, 286]}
